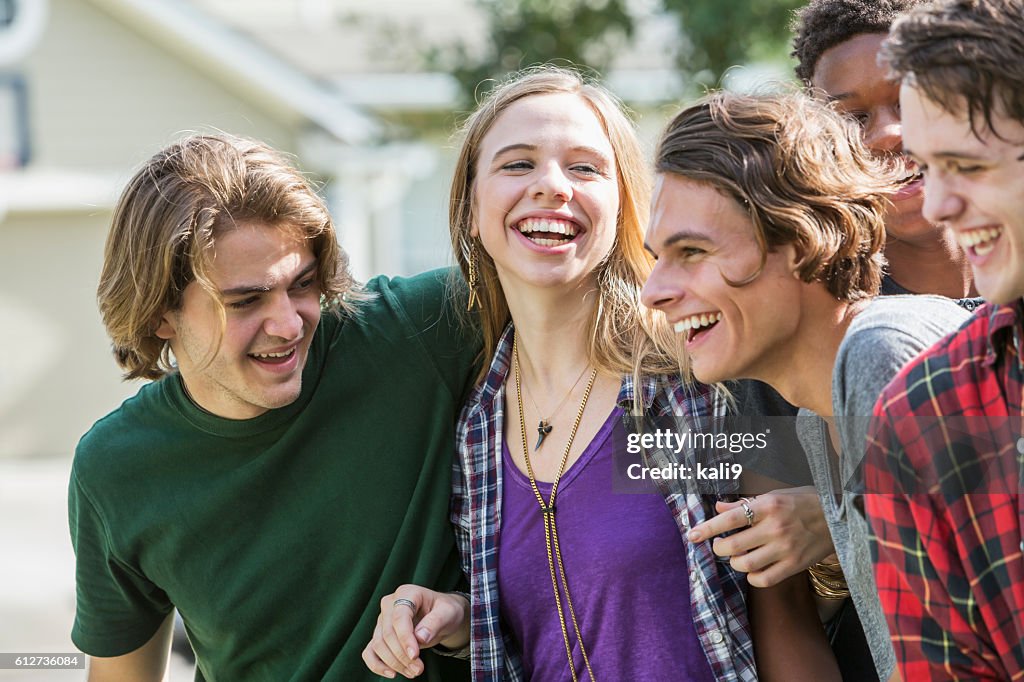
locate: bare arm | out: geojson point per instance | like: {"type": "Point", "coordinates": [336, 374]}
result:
{"type": "Point", "coordinates": [148, 663]}
{"type": "Point", "coordinates": [789, 640]}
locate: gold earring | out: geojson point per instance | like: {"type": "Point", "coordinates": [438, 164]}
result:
{"type": "Point", "coordinates": [474, 300]}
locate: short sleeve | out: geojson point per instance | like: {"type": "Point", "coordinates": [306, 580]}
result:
{"type": "Point", "coordinates": [867, 362]}
{"type": "Point", "coordinates": [117, 609]}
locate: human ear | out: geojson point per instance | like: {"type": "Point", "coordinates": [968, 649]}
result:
{"type": "Point", "coordinates": [794, 260]}
{"type": "Point", "coordinates": [166, 328]}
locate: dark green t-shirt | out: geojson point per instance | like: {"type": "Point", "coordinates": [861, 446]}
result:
{"type": "Point", "coordinates": [276, 537]}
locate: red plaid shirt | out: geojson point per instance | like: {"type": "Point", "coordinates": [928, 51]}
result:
{"type": "Point", "coordinates": [942, 480]}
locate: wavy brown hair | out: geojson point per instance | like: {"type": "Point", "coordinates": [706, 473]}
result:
{"type": "Point", "coordinates": [625, 337]}
{"type": "Point", "coordinates": [961, 52]}
{"type": "Point", "coordinates": [165, 227]}
{"type": "Point", "coordinates": [800, 171]}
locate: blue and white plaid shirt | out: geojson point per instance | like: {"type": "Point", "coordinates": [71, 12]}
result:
{"type": "Point", "coordinates": [717, 592]}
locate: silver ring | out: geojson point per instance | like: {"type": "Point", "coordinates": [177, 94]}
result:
{"type": "Point", "coordinates": [405, 602]}
{"type": "Point", "coordinates": [745, 503]}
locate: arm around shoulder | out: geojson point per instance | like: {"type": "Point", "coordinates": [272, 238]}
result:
{"type": "Point", "coordinates": [434, 303]}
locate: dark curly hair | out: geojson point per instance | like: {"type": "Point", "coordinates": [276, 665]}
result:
{"type": "Point", "coordinates": [823, 24]}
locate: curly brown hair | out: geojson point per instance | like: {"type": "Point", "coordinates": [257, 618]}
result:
{"type": "Point", "coordinates": [822, 24]}
{"type": "Point", "coordinates": [801, 172]}
{"type": "Point", "coordinates": [963, 52]}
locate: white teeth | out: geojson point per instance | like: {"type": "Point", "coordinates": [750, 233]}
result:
{"type": "Point", "coordinates": [274, 355]}
{"type": "Point", "coordinates": [975, 237]}
{"type": "Point", "coordinates": [982, 249]}
{"type": "Point", "coordinates": [696, 322]}
{"type": "Point", "coordinates": [547, 242]}
{"type": "Point", "coordinates": [555, 226]}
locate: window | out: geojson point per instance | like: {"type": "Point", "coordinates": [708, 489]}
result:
{"type": "Point", "coordinates": [21, 25]}
{"type": "Point", "coordinates": [14, 137]}
{"type": "Point", "coordinates": [8, 13]}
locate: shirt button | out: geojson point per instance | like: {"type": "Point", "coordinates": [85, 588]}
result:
{"type": "Point", "coordinates": [1020, 445]}
{"type": "Point", "coordinates": [716, 637]}
{"type": "Point", "coordinates": [693, 575]}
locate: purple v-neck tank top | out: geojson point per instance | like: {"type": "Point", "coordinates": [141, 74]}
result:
{"type": "Point", "coordinates": [626, 567]}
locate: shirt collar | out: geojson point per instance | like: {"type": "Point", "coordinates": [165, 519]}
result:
{"type": "Point", "coordinates": [501, 363]}
{"type": "Point", "coordinates": [648, 389]}
{"type": "Point", "coordinates": [1004, 319]}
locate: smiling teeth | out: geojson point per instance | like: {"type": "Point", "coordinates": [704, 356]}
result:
{"type": "Point", "coordinates": [274, 355]}
{"type": "Point", "coordinates": [980, 240]}
{"type": "Point", "coordinates": [696, 322]}
{"type": "Point", "coordinates": [555, 226]}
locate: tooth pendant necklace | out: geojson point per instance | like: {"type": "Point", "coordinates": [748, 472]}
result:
{"type": "Point", "coordinates": [544, 425]}
{"type": "Point", "coordinates": [547, 509]}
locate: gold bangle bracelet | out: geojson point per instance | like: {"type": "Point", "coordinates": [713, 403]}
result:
{"type": "Point", "coordinates": [828, 581]}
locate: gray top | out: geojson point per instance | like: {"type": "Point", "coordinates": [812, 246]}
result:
{"type": "Point", "coordinates": [891, 287]}
{"type": "Point", "coordinates": [884, 337]}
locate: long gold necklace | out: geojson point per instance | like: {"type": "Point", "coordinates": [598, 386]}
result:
{"type": "Point", "coordinates": [548, 511]}
{"type": "Point", "coordinates": [544, 426]}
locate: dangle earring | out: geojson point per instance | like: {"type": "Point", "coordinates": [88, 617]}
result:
{"type": "Point", "coordinates": [474, 300]}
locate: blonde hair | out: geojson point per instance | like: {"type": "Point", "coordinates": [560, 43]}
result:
{"type": "Point", "coordinates": [165, 226]}
{"type": "Point", "coordinates": [624, 336]}
{"type": "Point", "coordinates": [801, 172]}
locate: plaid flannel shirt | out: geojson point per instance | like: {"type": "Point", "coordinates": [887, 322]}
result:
{"type": "Point", "coordinates": [717, 593]}
{"type": "Point", "coordinates": [942, 481]}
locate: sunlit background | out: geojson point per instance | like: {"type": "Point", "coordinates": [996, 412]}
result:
{"type": "Point", "coordinates": [365, 93]}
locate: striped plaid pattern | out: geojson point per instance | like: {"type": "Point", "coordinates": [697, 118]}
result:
{"type": "Point", "coordinates": [943, 498]}
{"type": "Point", "coordinates": [717, 592]}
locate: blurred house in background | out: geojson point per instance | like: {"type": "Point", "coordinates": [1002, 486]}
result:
{"type": "Point", "coordinates": [373, 53]}
{"type": "Point", "coordinates": [90, 88]}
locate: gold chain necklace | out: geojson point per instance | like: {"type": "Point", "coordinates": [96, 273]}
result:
{"type": "Point", "coordinates": [548, 511]}
{"type": "Point", "coordinates": [544, 425]}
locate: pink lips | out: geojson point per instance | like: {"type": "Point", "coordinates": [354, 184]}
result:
{"type": "Point", "coordinates": [911, 189]}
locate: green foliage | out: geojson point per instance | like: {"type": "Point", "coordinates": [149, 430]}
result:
{"type": "Point", "coordinates": [586, 33]}
{"type": "Point", "coordinates": [589, 33]}
{"type": "Point", "coordinates": [723, 33]}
